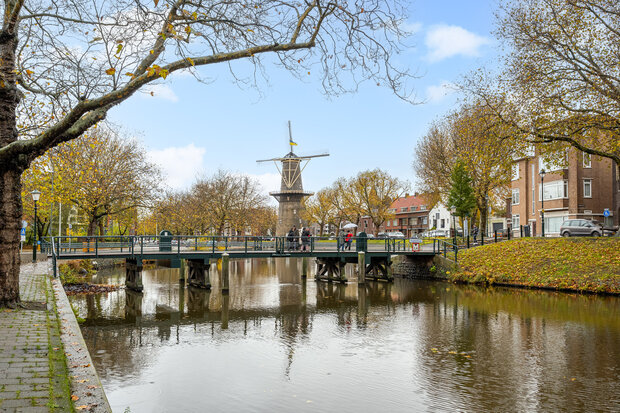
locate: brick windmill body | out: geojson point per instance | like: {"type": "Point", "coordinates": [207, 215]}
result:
{"type": "Point", "coordinates": [291, 194]}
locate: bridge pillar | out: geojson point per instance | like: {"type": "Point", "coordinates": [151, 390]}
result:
{"type": "Point", "coordinates": [380, 269]}
{"type": "Point", "coordinates": [225, 272]}
{"type": "Point", "coordinates": [304, 267]}
{"type": "Point", "coordinates": [133, 274]}
{"type": "Point", "coordinates": [330, 269]}
{"type": "Point", "coordinates": [198, 273]}
{"type": "Point", "coordinates": [361, 267]}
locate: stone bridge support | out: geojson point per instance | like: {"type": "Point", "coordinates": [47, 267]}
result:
{"type": "Point", "coordinates": [416, 266]}
{"type": "Point", "coordinates": [198, 273]}
{"type": "Point", "coordinates": [133, 274]}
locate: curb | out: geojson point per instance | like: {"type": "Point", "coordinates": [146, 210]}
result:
{"type": "Point", "coordinates": [85, 383]}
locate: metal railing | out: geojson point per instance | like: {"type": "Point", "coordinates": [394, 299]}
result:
{"type": "Point", "coordinates": [100, 246]}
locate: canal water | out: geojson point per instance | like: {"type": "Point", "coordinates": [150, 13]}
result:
{"type": "Point", "coordinates": [276, 343]}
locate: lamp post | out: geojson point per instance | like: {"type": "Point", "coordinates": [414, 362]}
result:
{"type": "Point", "coordinates": [542, 174]}
{"type": "Point", "coordinates": [35, 197]}
{"type": "Point", "coordinates": [453, 211]}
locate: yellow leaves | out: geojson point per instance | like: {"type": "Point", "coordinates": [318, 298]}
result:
{"type": "Point", "coordinates": [130, 75]}
{"type": "Point", "coordinates": [119, 48]}
{"type": "Point", "coordinates": [188, 29]}
{"type": "Point", "coordinates": [250, 30]}
{"type": "Point", "coordinates": [110, 71]}
{"type": "Point", "coordinates": [191, 61]}
{"type": "Point", "coordinates": [74, 397]}
{"type": "Point", "coordinates": [29, 72]}
{"type": "Point", "coordinates": [156, 2]}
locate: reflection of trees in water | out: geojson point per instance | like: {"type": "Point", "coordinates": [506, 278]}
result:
{"type": "Point", "coordinates": [521, 357]}
{"type": "Point", "coordinates": [524, 346]}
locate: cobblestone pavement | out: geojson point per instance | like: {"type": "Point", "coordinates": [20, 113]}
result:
{"type": "Point", "coordinates": [32, 379]}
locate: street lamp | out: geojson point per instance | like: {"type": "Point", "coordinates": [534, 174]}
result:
{"type": "Point", "coordinates": [542, 174]}
{"type": "Point", "coordinates": [453, 211]}
{"type": "Point", "coordinates": [35, 197]}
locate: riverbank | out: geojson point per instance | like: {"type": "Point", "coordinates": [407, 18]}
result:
{"type": "Point", "coordinates": [569, 264]}
{"type": "Point", "coordinates": [44, 363]}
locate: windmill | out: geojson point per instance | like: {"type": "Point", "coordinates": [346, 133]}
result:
{"type": "Point", "coordinates": [291, 192]}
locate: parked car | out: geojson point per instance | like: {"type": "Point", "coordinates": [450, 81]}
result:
{"type": "Point", "coordinates": [382, 235]}
{"type": "Point", "coordinates": [396, 234]}
{"type": "Point", "coordinates": [581, 227]}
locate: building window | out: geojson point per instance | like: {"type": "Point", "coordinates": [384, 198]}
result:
{"type": "Point", "coordinates": [552, 224]}
{"type": "Point", "coordinates": [555, 164]}
{"type": "Point", "coordinates": [403, 209]}
{"type": "Point", "coordinates": [554, 190]}
{"type": "Point", "coordinates": [413, 208]}
{"type": "Point", "coordinates": [587, 188]}
{"type": "Point", "coordinates": [413, 221]}
{"type": "Point", "coordinates": [515, 196]}
{"type": "Point", "coordinates": [533, 189]}
{"type": "Point", "coordinates": [443, 223]}
{"type": "Point", "coordinates": [422, 207]}
{"type": "Point", "coordinates": [587, 160]}
{"type": "Point", "coordinates": [516, 220]}
{"type": "Point", "coordinates": [424, 221]}
{"type": "Point", "coordinates": [515, 171]}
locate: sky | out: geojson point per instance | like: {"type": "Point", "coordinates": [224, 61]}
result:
{"type": "Point", "coordinates": [193, 129]}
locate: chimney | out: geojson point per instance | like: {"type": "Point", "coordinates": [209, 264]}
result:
{"type": "Point", "coordinates": [416, 194]}
{"type": "Point", "coordinates": [406, 195]}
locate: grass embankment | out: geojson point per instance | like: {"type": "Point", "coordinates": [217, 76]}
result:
{"type": "Point", "coordinates": [575, 264]}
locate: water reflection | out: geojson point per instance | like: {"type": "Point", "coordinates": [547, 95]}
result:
{"type": "Point", "coordinates": [277, 343]}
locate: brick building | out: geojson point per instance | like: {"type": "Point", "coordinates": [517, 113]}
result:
{"type": "Point", "coordinates": [411, 215]}
{"type": "Point", "coordinates": [581, 188]}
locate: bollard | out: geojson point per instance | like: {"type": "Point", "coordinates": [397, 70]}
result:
{"type": "Point", "coordinates": [304, 267]}
{"type": "Point", "coordinates": [496, 236]}
{"type": "Point", "coordinates": [225, 272]}
{"type": "Point", "coordinates": [182, 271]}
{"type": "Point", "coordinates": [361, 267]}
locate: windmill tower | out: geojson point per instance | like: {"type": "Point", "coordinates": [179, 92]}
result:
{"type": "Point", "coordinates": [291, 192]}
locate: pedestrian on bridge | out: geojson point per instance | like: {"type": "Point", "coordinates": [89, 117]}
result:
{"type": "Point", "coordinates": [341, 240]}
{"type": "Point", "coordinates": [349, 240]}
{"type": "Point", "coordinates": [305, 239]}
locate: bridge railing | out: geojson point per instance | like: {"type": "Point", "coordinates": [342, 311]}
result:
{"type": "Point", "coordinates": [144, 244]}
{"type": "Point", "coordinates": [446, 249]}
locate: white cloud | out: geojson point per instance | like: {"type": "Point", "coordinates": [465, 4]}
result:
{"type": "Point", "coordinates": [268, 181]}
{"type": "Point", "coordinates": [445, 41]}
{"type": "Point", "coordinates": [436, 93]}
{"type": "Point", "coordinates": [160, 91]}
{"type": "Point", "coordinates": [411, 27]}
{"type": "Point", "coordinates": [180, 165]}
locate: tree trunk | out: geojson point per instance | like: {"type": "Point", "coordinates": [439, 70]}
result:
{"type": "Point", "coordinates": [10, 220]}
{"type": "Point", "coordinates": [10, 172]}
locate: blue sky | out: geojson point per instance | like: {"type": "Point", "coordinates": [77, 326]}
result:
{"type": "Point", "coordinates": [192, 129]}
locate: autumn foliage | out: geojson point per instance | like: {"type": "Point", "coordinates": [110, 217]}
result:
{"type": "Point", "coordinates": [575, 264]}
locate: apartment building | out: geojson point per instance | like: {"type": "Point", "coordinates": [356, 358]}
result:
{"type": "Point", "coordinates": [411, 215]}
{"type": "Point", "coordinates": [582, 186]}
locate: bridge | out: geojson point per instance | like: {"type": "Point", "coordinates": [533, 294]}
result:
{"type": "Point", "coordinates": [198, 253]}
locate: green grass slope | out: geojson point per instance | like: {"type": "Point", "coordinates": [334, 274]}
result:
{"type": "Point", "coordinates": [576, 264]}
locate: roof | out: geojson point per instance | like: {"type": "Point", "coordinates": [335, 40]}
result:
{"type": "Point", "coordinates": [409, 201]}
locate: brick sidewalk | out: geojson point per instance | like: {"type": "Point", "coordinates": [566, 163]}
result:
{"type": "Point", "coordinates": [33, 373]}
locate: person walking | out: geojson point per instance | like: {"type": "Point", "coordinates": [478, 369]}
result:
{"type": "Point", "coordinates": [474, 232]}
{"type": "Point", "coordinates": [305, 239]}
{"type": "Point", "coordinates": [290, 238]}
{"type": "Point", "coordinates": [349, 240]}
{"type": "Point", "coordinates": [341, 240]}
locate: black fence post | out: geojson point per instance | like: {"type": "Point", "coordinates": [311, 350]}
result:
{"type": "Point", "coordinates": [496, 236]}
{"type": "Point", "coordinates": [520, 231]}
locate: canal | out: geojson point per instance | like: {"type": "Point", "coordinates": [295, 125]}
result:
{"type": "Point", "coordinates": [278, 344]}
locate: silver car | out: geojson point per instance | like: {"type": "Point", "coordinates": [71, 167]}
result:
{"type": "Point", "coordinates": [581, 227]}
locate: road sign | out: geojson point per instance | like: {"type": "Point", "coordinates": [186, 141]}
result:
{"type": "Point", "coordinates": [606, 212]}
{"type": "Point", "coordinates": [24, 224]}
{"type": "Point", "coordinates": [22, 233]}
